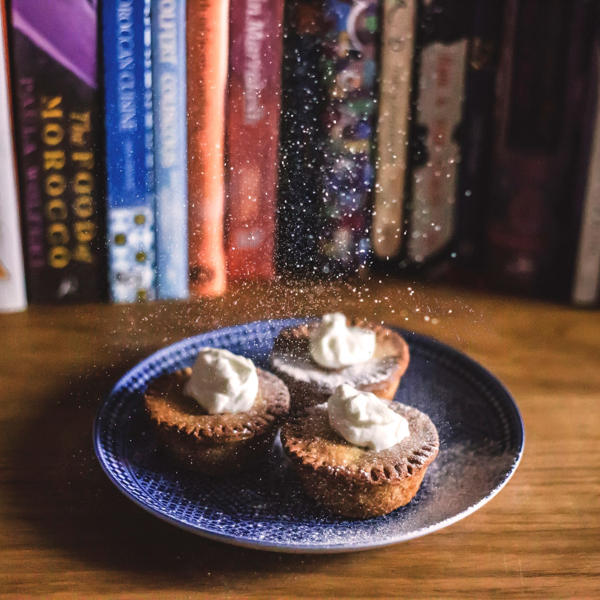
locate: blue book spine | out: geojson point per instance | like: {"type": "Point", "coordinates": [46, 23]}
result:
{"type": "Point", "coordinates": [131, 240]}
{"type": "Point", "coordinates": [170, 146]}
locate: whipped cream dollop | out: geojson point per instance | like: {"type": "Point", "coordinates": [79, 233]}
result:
{"type": "Point", "coordinates": [222, 382]}
{"type": "Point", "coordinates": [334, 345]}
{"type": "Point", "coordinates": [363, 419]}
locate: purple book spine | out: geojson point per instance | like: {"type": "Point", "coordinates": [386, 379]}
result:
{"type": "Point", "coordinates": [54, 63]}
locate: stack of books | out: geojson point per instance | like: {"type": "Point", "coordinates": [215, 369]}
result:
{"type": "Point", "coordinates": [159, 149]}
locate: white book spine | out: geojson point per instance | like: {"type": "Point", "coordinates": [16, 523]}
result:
{"type": "Point", "coordinates": [439, 110]}
{"type": "Point", "coordinates": [398, 40]}
{"type": "Point", "coordinates": [12, 271]}
{"type": "Point", "coordinates": [586, 284]}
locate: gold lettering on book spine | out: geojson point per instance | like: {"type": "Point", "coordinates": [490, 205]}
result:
{"type": "Point", "coordinates": [54, 182]}
{"type": "Point", "coordinates": [64, 244]}
{"type": "Point", "coordinates": [83, 184]}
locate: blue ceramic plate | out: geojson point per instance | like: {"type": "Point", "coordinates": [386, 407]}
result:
{"type": "Point", "coordinates": [481, 442]}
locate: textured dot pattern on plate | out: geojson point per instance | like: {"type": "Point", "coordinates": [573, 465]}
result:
{"type": "Point", "coordinates": [481, 442]}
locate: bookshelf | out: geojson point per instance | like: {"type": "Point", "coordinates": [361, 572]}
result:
{"type": "Point", "coordinates": [403, 136]}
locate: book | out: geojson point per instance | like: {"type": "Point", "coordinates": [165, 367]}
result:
{"type": "Point", "coordinates": [207, 51]}
{"type": "Point", "coordinates": [584, 286]}
{"type": "Point", "coordinates": [540, 95]}
{"type": "Point", "coordinates": [303, 100]}
{"type": "Point", "coordinates": [477, 134]}
{"type": "Point", "coordinates": [128, 121]}
{"type": "Point", "coordinates": [253, 109]}
{"type": "Point", "coordinates": [57, 106]}
{"type": "Point", "coordinates": [440, 67]}
{"type": "Point", "coordinates": [347, 169]}
{"type": "Point", "coordinates": [12, 270]}
{"type": "Point", "coordinates": [170, 147]}
{"type": "Point", "coordinates": [328, 125]}
{"type": "Point", "coordinates": [393, 126]}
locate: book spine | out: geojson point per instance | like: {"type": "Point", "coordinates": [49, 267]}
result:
{"type": "Point", "coordinates": [535, 148]}
{"type": "Point", "coordinates": [207, 51]}
{"type": "Point", "coordinates": [347, 169]}
{"type": "Point", "coordinates": [129, 149]}
{"type": "Point", "coordinates": [253, 108]}
{"type": "Point", "coordinates": [299, 223]}
{"type": "Point", "coordinates": [585, 286]}
{"type": "Point", "coordinates": [475, 168]}
{"type": "Point", "coordinates": [12, 269]}
{"type": "Point", "coordinates": [438, 112]}
{"type": "Point", "coordinates": [397, 49]}
{"type": "Point", "coordinates": [54, 60]}
{"type": "Point", "coordinates": [170, 144]}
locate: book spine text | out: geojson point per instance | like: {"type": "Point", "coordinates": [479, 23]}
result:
{"type": "Point", "coordinates": [170, 144]}
{"type": "Point", "coordinates": [129, 149]}
{"type": "Point", "coordinates": [253, 109]}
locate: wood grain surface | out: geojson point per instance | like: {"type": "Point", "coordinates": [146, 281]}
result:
{"type": "Point", "coordinates": [67, 532]}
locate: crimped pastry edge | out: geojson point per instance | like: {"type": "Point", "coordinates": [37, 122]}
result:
{"type": "Point", "coordinates": [218, 428]}
{"type": "Point", "coordinates": [380, 472]}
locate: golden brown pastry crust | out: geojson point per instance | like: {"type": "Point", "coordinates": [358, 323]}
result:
{"type": "Point", "coordinates": [215, 444]}
{"type": "Point", "coordinates": [294, 341]}
{"type": "Point", "coordinates": [354, 481]}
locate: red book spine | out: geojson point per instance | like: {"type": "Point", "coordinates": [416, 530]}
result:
{"type": "Point", "coordinates": [253, 108]}
{"type": "Point", "coordinates": [207, 49]}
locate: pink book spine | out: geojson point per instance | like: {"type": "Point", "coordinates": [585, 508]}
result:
{"type": "Point", "coordinates": [253, 108]}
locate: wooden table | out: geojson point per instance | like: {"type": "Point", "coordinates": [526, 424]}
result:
{"type": "Point", "coordinates": [66, 531]}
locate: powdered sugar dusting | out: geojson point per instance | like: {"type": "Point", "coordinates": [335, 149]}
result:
{"type": "Point", "coordinates": [303, 369]}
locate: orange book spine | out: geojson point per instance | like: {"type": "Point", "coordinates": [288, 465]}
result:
{"type": "Point", "coordinates": [207, 54]}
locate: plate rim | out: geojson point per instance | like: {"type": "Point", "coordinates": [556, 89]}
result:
{"type": "Point", "coordinates": [336, 548]}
